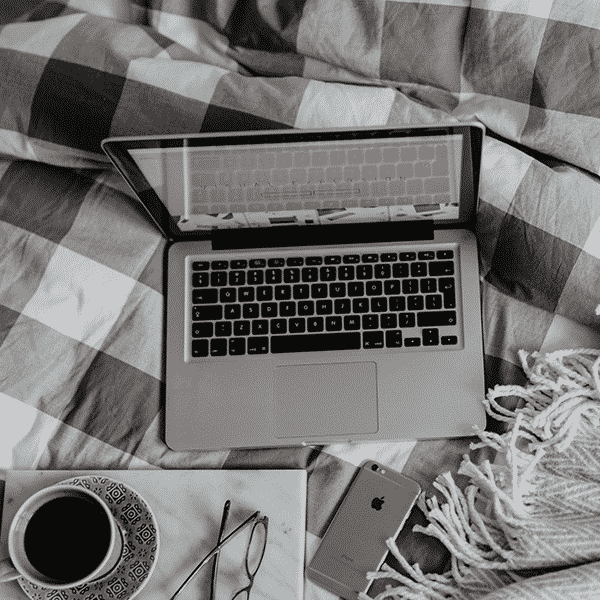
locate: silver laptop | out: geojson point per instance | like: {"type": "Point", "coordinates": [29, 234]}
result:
{"type": "Point", "coordinates": [322, 285]}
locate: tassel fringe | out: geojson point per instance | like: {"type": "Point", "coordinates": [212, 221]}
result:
{"type": "Point", "coordinates": [485, 527]}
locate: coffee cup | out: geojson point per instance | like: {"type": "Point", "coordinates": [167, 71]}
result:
{"type": "Point", "coordinates": [63, 536]}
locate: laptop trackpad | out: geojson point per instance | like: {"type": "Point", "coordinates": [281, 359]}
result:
{"type": "Point", "coordinates": [323, 400]}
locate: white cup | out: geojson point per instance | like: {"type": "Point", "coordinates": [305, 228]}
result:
{"type": "Point", "coordinates": [106, 551]}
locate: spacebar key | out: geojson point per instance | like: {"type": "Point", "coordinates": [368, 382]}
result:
{"type": "Point", "coordinates": [315, 342]}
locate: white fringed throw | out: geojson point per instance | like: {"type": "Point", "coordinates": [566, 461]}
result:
{"type": "Point", "coordinates": [536, 507]}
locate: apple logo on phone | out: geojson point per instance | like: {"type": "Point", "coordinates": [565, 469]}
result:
{"type": "Point", "coordinates": [377, 503]}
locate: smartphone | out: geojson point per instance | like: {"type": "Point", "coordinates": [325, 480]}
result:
{"type": "Point", "coordinates": [374, 509]}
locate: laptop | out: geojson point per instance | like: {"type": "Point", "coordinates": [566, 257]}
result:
{"type": "Point", "coordinates": [322, 286]}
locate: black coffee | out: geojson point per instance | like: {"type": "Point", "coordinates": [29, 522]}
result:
{"type": "Point", "coordinates": [67, 538]}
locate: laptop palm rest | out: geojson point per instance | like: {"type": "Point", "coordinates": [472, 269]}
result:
{"type": "Point", "coordinates": [314, 400]}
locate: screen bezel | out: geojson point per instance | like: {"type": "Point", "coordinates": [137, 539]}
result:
{"type": "Point", "coordinates": [117, 149]}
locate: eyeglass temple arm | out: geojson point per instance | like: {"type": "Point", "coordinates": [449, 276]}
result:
{"type": "Point", "coordinates": [215, 565]}
{"type": "Point", "coordinates": [214, 551]}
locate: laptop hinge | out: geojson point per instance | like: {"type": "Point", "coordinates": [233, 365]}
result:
{"type": "Point", "coordinates": [355, 233]}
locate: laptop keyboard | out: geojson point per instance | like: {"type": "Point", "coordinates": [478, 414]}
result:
{"type": "Point", "coordinates": [318, 302]}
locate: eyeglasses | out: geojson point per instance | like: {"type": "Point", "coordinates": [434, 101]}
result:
{"type": "Point", "coordinates": [255, 551]}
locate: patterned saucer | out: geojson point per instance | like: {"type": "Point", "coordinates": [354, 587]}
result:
{"type": "Point", "coordinates": [140, 550]}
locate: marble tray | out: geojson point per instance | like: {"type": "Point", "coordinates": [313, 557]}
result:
{"type": "Point", "coordinates": [188, 506]}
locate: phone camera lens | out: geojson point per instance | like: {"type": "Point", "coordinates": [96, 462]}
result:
{"type": "Point", "coordinates": [374, 467]}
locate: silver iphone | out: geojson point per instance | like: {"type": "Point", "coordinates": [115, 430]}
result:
{"type": "Point", "coordinates": [374, 509]}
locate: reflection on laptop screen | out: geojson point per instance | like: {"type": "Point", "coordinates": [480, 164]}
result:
{"type": "Point", "coordinates": [324, 182]}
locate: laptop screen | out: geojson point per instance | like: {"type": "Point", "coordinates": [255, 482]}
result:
{"type": "Point", "coordinates": [278, 179]}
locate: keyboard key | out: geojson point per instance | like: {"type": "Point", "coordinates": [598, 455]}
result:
{"type": "Point", "coordinates": [364, 272]}
{"type": "Point", "coordinates": [351, 322]}
{"type": "Point", "coordinates": [316, 342]}
{"type": "Point", "coordinates": [264, 293]}
{"type": "Point", "coordinates": [258, 345]}
{"type": "Point", "coordinates": [370, 321]}
{"type": "Point", "coordinates": [370, 258]}
{"type": "Point", "coordinates": [400, 270]}
{"type": "Point", "coordinates": [268, 310]}
{"type": "Point", "coordinates": [410, 286]}
{"type": "Point", "coordinates": [351, 259]}
{"type": "Point", "coordinates": [446, 284]}
{"type": "Point", "coordinates": [443, 254]}
{"type": "Point", "coordinates": [373, 339]}
{"type": "Point", "coordinates": [237, 346]}
{"type": "Point", "coordinates": [374, 288]}
{"type": "Point", "coordinates": [333, 260]}
{"type": "Point", "coordinates": [306, 308]}
{"type": "Point", "coordinates": [389, 321]}
{"type": "Point", "coordinates": [205, 296]}
{"type": "Point", "coordinates": [223, 329]}
{"type": "Point", "coordinates": [256, 277]}
{"type": "Point", "coordinates": [199, 348]}
{"type": "Point", "coordinates": [241, 328]}
{"type": "Point", "coordinates": [273, 276]}
{"type": "Point", "coordinates": [324, 307]}
{"type": "Point", "coordinates": [442, 267]}
{"type": "Point", "coordinates": [433, 302]}
{"type": "Point", "coordinates": [426, 255]}
{"type": "Point", "coordinates": [200, 265]}
{"type": "Point", "coordinates": [239, 264]}
{"type": "Point", "coordinates": [360, 305]}
{"type": "Point", "coordinates": [337, 290]}
{"type": "Point", "coordinates": [218, 278]}
{"type": "Point", "coordinates": [246, 294]}
{"type": "Point", "coordinates": [356, 288]}
{"type": "Point", "coordinates": [397, 303]}
{"type": "Point", "coordinates": [219, 265]}
{"type": "Point", "coordinates": [415, 302]}
{"type": "Point", "coordinates": [428, 286]}
{"type": "Point", "coordinates": [237, 278]}
{"type": "Point", "coordinates": [297, 325]}
{"type": "Point", "coordinates": [408, 256]}
{"type": "Point", "coordinates": [301, 291]}
{"type": "Point", "coordinates": [418, 269]}
{"type": "Point", "coordinates": [291, 275]}
{"type": "Point", "coordinates": [276, 262]}
{"type": "Point", "coordinates": [207, 313]}
{"type": "Point", "coordinates": [233, 311]}
{"type": "Point", "coordinates": [310, 274]}
{"type": "Point", "coordinates": [412, 341]}
{"type": "Point", "coordinates": [218, 347]}
{"type": "Point", "coordinates": [342, 306]}
{"type": "Point", "coordinates": [287, 309]}
{"type": "Point", "coordinates": [283, 292]}
{"type": "Point", "coordinates": [314, 260]}
{"type": "Point", "coordinates": [202, 330]}
{"type": "Point", "coordinates": [278, 326]}
{"type": "Point", "coordinates": [328, 273]}
{"type": "Point", "coordinates": [389, 257]}
{"type": "Point", "coordinates": [199, 279]}
{"type": "Point", "coordinates": [436, 318]}
{"type": "Point", "coordinates": [295, 261]}
{"type": "Point", "coordinates": [314, 324]}
{"type": "Point", "coordinates": [260, 327]}
{"type": "Point", "coordinates": [406, 319]}
{"type": "Point", "coordinates": [449, 299]}
{"type": "Point", "coordinates": [382, 271]}
{"type": "Point", "coordinates": [333, 323]}
{"type": "Point", "coordinates": [318, 290]}
{"type": "Point", "coordinates": [258, 263]}
{"type": "Point", "coordinates": [379, 304]}
{"type": "Point", "coordinates": [391, 287]}
{"type": "Point", "coordinates": [393, 339]}
{"type": "Point", "coordinates": [449, 340]}
{"type": "Point", "coordinates": [345, 273]}
{"type": "Point", "coordinates": [227, 295]}
{"type": "Point", "coordinates": [250, 310]}
{"type": "Point", "coordinates": [431, 337]}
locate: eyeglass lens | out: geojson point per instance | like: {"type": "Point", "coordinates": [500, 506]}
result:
{"type": "Point", "coordinates": [256, 548]}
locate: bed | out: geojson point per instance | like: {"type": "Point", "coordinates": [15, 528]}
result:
{"type": "Point", "coordinates": [81, 281]}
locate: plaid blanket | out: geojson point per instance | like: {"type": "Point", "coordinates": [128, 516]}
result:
{"type": "Point", "coordinates": [81, 265]}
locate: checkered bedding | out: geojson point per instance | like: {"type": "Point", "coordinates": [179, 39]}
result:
{"type": "Point", "coordinates": [81, 265]}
